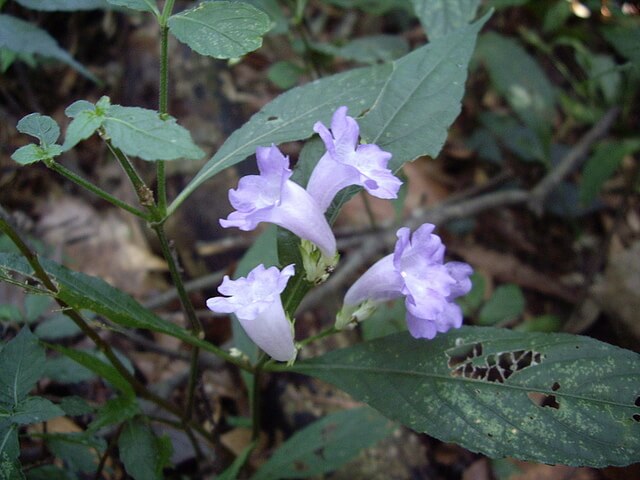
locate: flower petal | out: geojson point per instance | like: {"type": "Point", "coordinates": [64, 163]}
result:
{"type": "Point", "coordinates": [380, 283]}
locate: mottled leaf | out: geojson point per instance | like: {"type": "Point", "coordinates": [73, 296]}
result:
{"type": "Point", "coordinates": [550, 398]}
{"type": "Point", "coordinates": [221, 29]}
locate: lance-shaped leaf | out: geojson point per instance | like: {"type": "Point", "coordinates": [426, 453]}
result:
{"type": "Point", "coordinates": [291, 116]}
{"type": "Point", "coordinates": [221, 29]}
{"type": "Point", "coordinates": [439, 17]}
{"type": "Point", "coordinates": [25, 38]}
{"type": "Point", "coordinates": [551, 398]}
{"type": "Point", "coordinates": [421, 98]}
{"type": "Point", "coordinates": [84, 292]}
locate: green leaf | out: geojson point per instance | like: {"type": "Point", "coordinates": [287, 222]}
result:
{"type": "Point", "coordinates": [506, 304]}
{"type": "Point", "coordinates": [22, 360]}
{"type": "Point", "coordinates": [64, 5]}
{"type": "Point", "coordinates": [550, 398]}
{"type": "Point", "coordinates": [517, 138]}
{"type": "Point", "coordinates": [24, 38]}
{"type": "Point", "coordinates": [81, 128]}
{"type": "Point", "coordinates": [291, 116]}
{"type": "Point", "coordinates": [370, 49]}
{"type": "Point", "coordinates": [115, 410]}
{"type": "Point", "coordinates": [79, 106]}
{"type": "Point", "coordinates": [141, 451]}
{"type": "Point", "coordinates": [82, 291]}
{"type": "Point", "coordinates": [10, 313]}
{"type": "Point", "coordinates": [142, 133]}
{"type": "Point", "coordinates": [42, 127]}
{"type": "Point", "coordinates": [284, 74]}
{"type": "Point", "coordinates": [440, 17]}
{"type": "Point", "coordinates": [33, 153]}
{"type": "Point", "coordinates": [57, 327]}
{"type": "Point", "coordinates": [472, 300]}
{"type": "Point", "coordinates": [421, 98]}
{"type": "Point", "coordinates": [141, 5]}
{"type": "Point", "coordinates": [50, 472]}
{"type": "Point", "coordinates": [326, 444]}
{"type": "Point", "coordinates": [279, 20]}
{"type": "Point", "coordinates": [221, 29]}
{"type": "Point", "coordinates": [80, 452]}
{"type": "Point", "coordinates": [9, 448]}
{"type": "Point", "coordinates": [601, 165]}
{"type": "Point", "coordinates": [64, 370]}
{"type": "Point", "coordinates": [74, 406]}
{"type": "Point", "coordinates": [519, 79]}
{"type": "Point", "coordinates": [35, 306]}
{"type": "Point", "coordinates": [625, 40]}
{"type": "Point", "coordinates": [35, 410]}
{"type": "Point", "coordinates": [104, 370]}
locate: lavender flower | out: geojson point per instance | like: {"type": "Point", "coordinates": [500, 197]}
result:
{"type": "Point", "coordinates": [256, 302]}
{"type": "Point", "coordinates": [272, 197]}
{"type": "Point", "coordinates": [347, 163]}
{"type": "Point", "coordinates": [416, 271]}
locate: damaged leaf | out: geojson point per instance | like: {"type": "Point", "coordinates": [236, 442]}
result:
{"type": "Point", "coordinates": [551, 398]}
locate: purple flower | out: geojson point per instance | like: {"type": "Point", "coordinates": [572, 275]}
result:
{"type": "Point", "coordinates": [256, 302]}
{"type": "Point", "coordinates": [416, 271]}
{"type": "Point", "coordinates": [272, 197]}
{"type": "Point", "coordinates": [347, 163]}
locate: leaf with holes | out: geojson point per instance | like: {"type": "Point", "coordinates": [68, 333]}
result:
{"type": "Point", "coordinates": [439, 17]}
{"type": "Point", "coordinates": [551, 398]}
{"type": "Point", "coordinates": [221, 29]}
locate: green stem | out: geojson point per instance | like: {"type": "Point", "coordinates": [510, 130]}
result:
{"type": "Point", "coordinates": [163, 100]}
{"type": "Point", "coordinates": [65, 172]}
{"type": "Point", "coordinates": [322, 334]}
{"type": "Point", "coordinates": [187, 305]}
{"type": "Point", "coordinates": [144, 193]}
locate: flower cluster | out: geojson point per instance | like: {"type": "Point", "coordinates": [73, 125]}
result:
{"type": "Point", "coordinates": [414, 271]}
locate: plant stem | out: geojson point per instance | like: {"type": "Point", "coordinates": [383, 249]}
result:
{"type": "Point", "coordinates": [65, 172]}
{"type": "Point", "coordinates": [144, 193]}
{"type": "Point", "coordinates": [163, 100]}
{"type": "Point", "coordinates": [187, 305]}
{"type": "Point", "coordinates": [322, 334]}
{"type": "Point", "coordinates": [102, 345]}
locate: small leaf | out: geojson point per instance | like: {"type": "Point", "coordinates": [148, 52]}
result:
{"type": "Point", "coordinates": [35, 306]}
{"type": "Point", "coordinates": [79, 106]}
{"type": "Point", "coordinates": [506, 304]}
{"type": "Point", "coordinates": [326, 444]}
{"type": "Point", "coordinates": [74, 406]}
{"type": "Point", "coordinates": [549, 398]}
{"type": "Point", "coordinates": [22, 360]}
{"type": "Point", "coordinates": [284, 74]}
{"type": "Point", "coordinates": [79, 451]}
{"type": "Point", "coordinates": [141, 451]}
{"type": "Point", "coordinates": [57, 327]}
{"type": "Point", "coordinates": [42, 127]}
{"type": "Point", "coordinates": [33, 153]}
{"type": "Point", "coordinates": [25, 38]}
{"type": "Point", "coordinates": [64, 370]}
{"type": "Point", "coordinates": [221, 29]}
{"type": "Point", "coordinates": [472, 300]}
{"type": "Point", "coordinates": [115, 410]}
{"type": "Point", "coordinates": [439, 17]}
{"type": "Point", "coordinates": [35, 410]}
{"type": "Point", "coordinates": [81, 127]}
{"type": "Point", "coordinates": [142, 133]}
{"type": "Point", "coordinates": [141, 5]}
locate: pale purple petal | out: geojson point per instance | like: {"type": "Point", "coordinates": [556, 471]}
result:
{"type": "Point", "coordinates": [380, 283]}
{"type": "Point", "coordinates": [272, 197]}
{"type": "Point", "coordinates": [255, 300]}
{"type": "Point", "coordinates": [367, 164]}
{"type": "Point", "coordinates": [416, 271]}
